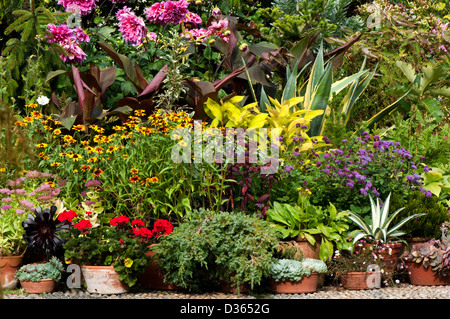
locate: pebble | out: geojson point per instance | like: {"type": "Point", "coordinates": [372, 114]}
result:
{"type": "Point", "coordinates": [401, 291]}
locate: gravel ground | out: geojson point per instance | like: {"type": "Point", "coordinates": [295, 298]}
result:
{"type": "Point", "coordinates": [401, 291]}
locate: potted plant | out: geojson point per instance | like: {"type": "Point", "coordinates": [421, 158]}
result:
{"type": "Point", "coordinates": [358, 268]}
{"type": "Point", "coordinates": [42, 230]}
{"type": "Point", "coordinates": [211, 250]}
{"type": "Point", "coordinates": [12, 246]}
{"type": "Point", "coordinates": [111, 254]}
{"type": "Point", "coordinates": [318, 230]}
{"type": "Point", "coordinates": [294, 276]}
{"type": "Point", "coordinates": [40, 278]}
{"type": "Point", "coordinates": [429, 263]}
{"type": "Point", "coordinates": [379, 232]}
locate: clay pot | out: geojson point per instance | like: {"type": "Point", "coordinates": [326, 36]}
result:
{"type": "Point", "coordinates": [8, 267]}
{"type": "Point", "coordinates": [152, 278]}
{"type": "Point", "coordinates": [309, 251]}
{"type": "Point", "coordinates": [306, 285]}
{"type": "Point", "coordinates": [356, 280]}
{"type": "Point", "coordinates": [38, 287]}
{"type": "Point", "coordinates": [103, 280]}
{"type": "Point", "coordinates": [421, 276]}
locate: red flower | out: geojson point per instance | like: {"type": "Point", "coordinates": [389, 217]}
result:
{"type": "Point", "coordinates": [119, 220]}
{"type": "Point", "coordinates": [137, 222]}
{"type": "Point", "coordinates": [67, 215]}
{"type": "Point", "coordinates": [143, 232]}
{"type": "Point", "coordinates": [162, 227]}
{"type": "Point", "coordinates": [83, 224]}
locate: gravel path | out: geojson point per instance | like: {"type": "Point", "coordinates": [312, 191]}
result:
{"type": "Point", "coordinates": [401, 291]}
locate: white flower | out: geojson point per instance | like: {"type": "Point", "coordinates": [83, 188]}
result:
{"type": "Point", "coordinates": [42, 100]}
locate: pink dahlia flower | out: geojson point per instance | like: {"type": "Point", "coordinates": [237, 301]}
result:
{"type": "Point", "coordinates": [167, 12]}
{"type": "Point", "coordinates": [68, 39]}
{"type": "Point", "coordinates": [132, 28]}
{"type": "Point", "coordinates": [85, 6]}
{"type": "Point", "coordinates": [193, 19]}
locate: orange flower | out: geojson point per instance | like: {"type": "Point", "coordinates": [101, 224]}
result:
{"type": "Point", "coordinates": [98, 172]}
{"type": "Point", "coordinates": [85, 168]}
{"type": "Point", "coordinates": [134, 179]}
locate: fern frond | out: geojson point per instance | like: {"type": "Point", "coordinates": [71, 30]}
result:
{"type": "Point", "coordinates": [17, 24]}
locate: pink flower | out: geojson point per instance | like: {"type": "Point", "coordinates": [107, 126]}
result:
{"type": "Point", "coordinates": [85, 6]}
{"type": "Point", "coordinates": [152, 36]}
{"type": "Point", "coordinates": [68, 39]}
{"type": "Point", "coordinates": [196, 34]}
{"type": "Point", "coordinates": [132, 28]}
{"type": "Point", "coordinates": [193, 19]}
{"type": "Point", "coordinates": [166, 12]}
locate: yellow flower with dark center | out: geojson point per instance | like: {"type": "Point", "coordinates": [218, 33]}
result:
{"type": "Point", "coordinates": [36, 114]}
{"type": "Point", "coordinates": [57, 132]}
{"type": "Point", "coordinates": [119, 128]}
{"type": "Point", "coordinates": [79, 127]}
{"type": "Point", "coordinates": [97, 128]}
{"type": "Point", "coordinates": [154, 179]}
{"type": "Point", "coordinates": [139, 112]}
{"type": "Point", "coordinates": [63, 154]}
{"type": "Point", "coordinates": [93, 159]}
{"type": "Point", "coordinates": [98, 172]}
{"type": "Point", "coordinates": [55, 164]}
{"type": "Point", "coordinates": [51, 183]}
{"type": "Point", "coordinates": [41, 154]}
{"type": "Point", "coordinates": [69, 139]}
{"type": "Point", "coordinates": [99, 150]}
{"type": "Point", "coordinates": [19, 123]}
{"type": "Point", "coordinates": [84, 142]}
{"type": "Point", "coordinates": [85, 168]}
{"type": "Point", "coordinates": [134, 179]}
{"type": "Point", "coordinates": [75, 157]}
{"type": "Point", "coordinates": [31, 105]}
{"type": "Point", "coordinates": [42, 145]}
{"type": "Point", "coordinates": [90, 149]}
{"type": "Point", "coordinates": [75, 171]}
{"type": "Point", "coordinates": [134, 171]}
{"type": "Point", "coordinates": [28, 119]}
{"type": "Point", "coordinates": [2, 169]}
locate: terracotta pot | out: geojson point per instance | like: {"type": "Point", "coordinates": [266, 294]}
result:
{"type": "Point", "coordinates": [103, 280]}
{"type": "Point", "coordinates": [306, 285]}
{"type": "Point", "coordinates": [390, 258]}
{"type": "Point", "coordinates": [8, 267]}
{"type": "Point", "coordinates": [421, 276]}
{"type": "Point", "coordinates": [38, 287]}
{"type": "Point", "coordinates": [229, 288]}
{"type": "Point", "coordinates": [152, 278]}
{"type": "Point", "coordinates": [356, 280]}
{"type": "Point", "coordinates": [309, 251]}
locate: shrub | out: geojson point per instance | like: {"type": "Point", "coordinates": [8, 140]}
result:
{"type": "Point", "coordinates": [224, 247]}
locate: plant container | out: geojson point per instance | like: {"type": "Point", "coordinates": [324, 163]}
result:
{"type": "Point", "coordinates": [152, 278]}
{"type": "Point", "coordinates": [356, 280]}
{"type": "Point", "coordinates": [309, 251]}
{"type": "Point", "coordinates": [306, 285]}
{"type": "Point", "coordinates": [421, 276]}
{"type": "Point", "coordinates": [38, 287]}
{"type": "Point", "coordinates": [103, 280]}
{"type": "Point", "coordinates": [8, 267]}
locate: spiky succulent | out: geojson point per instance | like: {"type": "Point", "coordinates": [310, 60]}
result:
{"type": "Point", "coordinates": [41, 231]}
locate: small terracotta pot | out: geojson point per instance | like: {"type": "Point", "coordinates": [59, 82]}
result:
{"type": "Point", "coordinates": [421, 276]}
{"type": "Point", "coordinates": [356, 280]}
{"type": "Point", "coordinates": [103, 280]}
{"type": "Point", "coordinates": [38, 287]}
{"type": "Point", "coordinates": [8, 267]}
{"type": "Point", "coordinates": [306, 285]}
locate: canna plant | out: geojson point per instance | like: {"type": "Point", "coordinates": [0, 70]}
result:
{"type": "Point", "coordinates": [379, 228]}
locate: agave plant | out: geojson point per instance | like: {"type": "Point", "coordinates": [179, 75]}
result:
{"type": "Point", "coordinates": [379, 228]}
{"type": "Point", "coordinates": [41, 231]}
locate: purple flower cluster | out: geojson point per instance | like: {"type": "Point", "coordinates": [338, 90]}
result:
{"type": "Point", "coordinates": [83, 6]}
{"type": "Point", "coordinates": [369, 166]}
